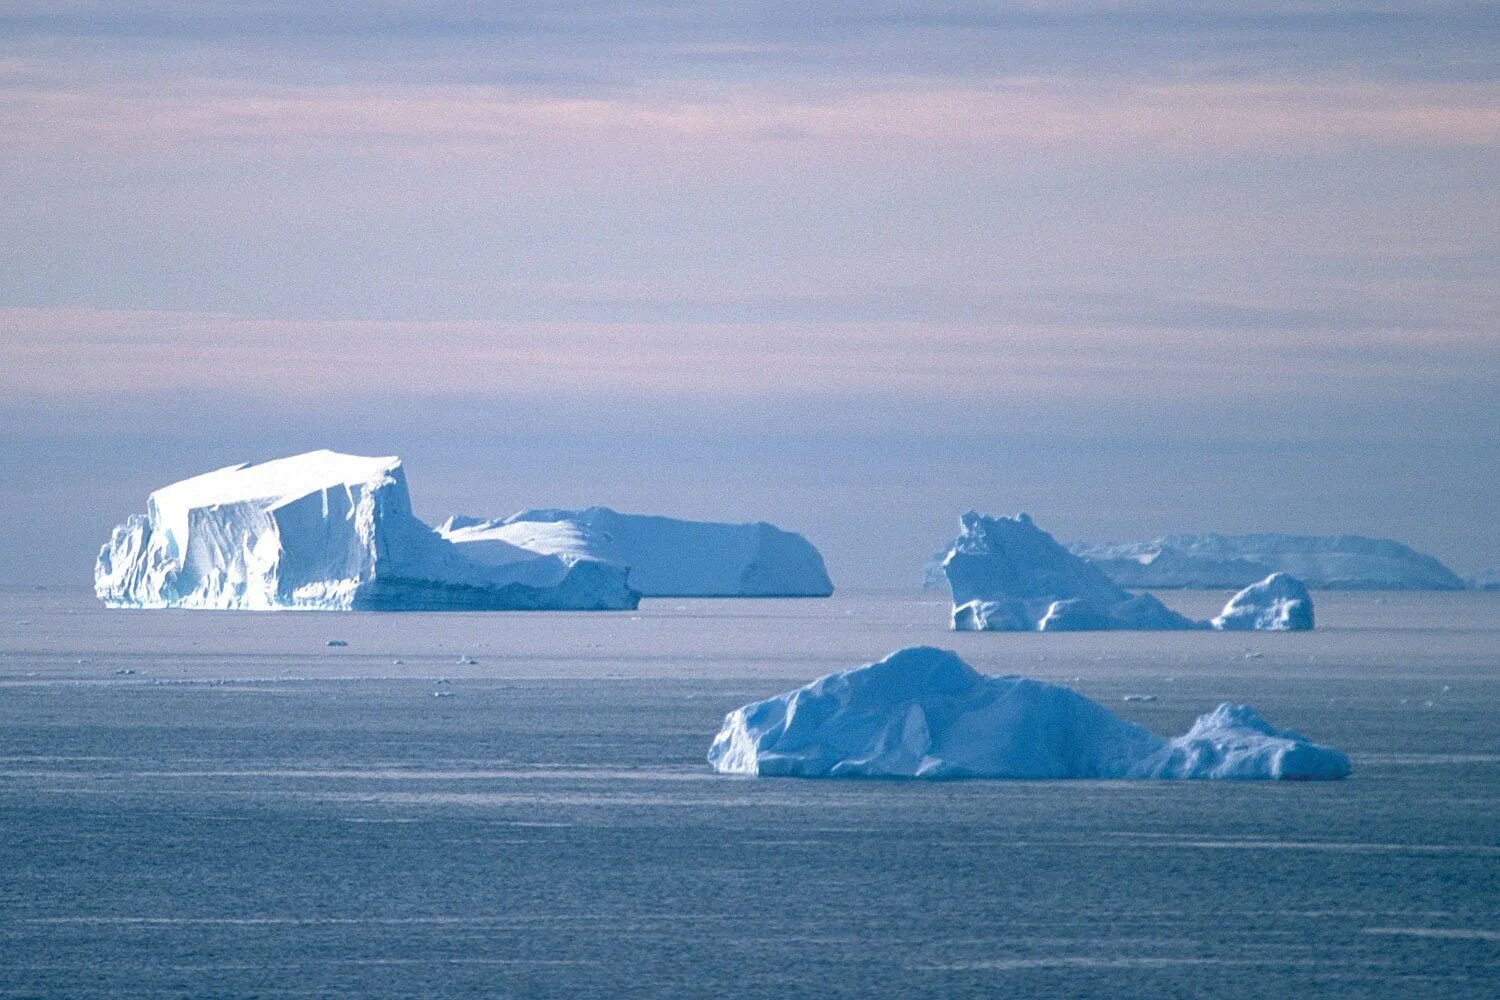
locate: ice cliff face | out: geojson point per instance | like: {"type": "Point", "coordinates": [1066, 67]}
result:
{"type": "Point", "coordinates": [322, 530]}
{"type": "Point", "coordinates": [924, 713]}
{"type": "Point", "coordinates": [665, 557]}
{"type": "Point", "coordinates": [1343, 562]}
{"type": "Point", "coordinates": [1008, 575]}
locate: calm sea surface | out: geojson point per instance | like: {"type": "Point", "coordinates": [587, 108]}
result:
{"type": "Point", "coordinates": [201, 804]}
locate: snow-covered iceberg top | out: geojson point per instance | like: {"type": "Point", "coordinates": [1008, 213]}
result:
{"type": "Point", "coordinates": [1008, 575]}
{"type": "Point", "coordinates": [323, 530]}
{"type": "Point", "coordinates": [666, 557]}
{"type": "Point", "coordinates": [1342, 562]}
{"type": "Point", "coordinates": [925, 713]}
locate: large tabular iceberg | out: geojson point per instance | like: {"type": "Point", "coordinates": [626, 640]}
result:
{"type": "Point", "coordinates": [323, 531]}
{"type": "Point", "coordinates": [1343, 562]}
{"type": "Point", "coordinates": [666, 557]}
{"type": "Point", "coordinates": [1008, 575]}
{"type": "Point", "coordinates": [925, 713]}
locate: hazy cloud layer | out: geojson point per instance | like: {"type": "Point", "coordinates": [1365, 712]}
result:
{"type": "Point", "coordinates": [198, 117]}
{"type": "Point", "coordinates": [65, 354]}
{"type": "Point", "coordinates": [1140, 266]}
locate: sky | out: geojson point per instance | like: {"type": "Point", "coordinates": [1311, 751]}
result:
{"type": "Point", "coordinates": [853, 268]}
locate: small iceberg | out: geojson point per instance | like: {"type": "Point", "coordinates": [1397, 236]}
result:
{"type": "Point", "coordinates": [1279, 603]}
{"type": "Point", "coordinates": [924, 713]}
{"type": "Point", "coordinates": [1233, 741]}
{"type": "Point", "coordinates": [1485, 579]}
{"type": "Point", "coordinates": [1008, 575]}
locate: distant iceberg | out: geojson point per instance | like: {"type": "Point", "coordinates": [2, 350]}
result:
{"type": "Point", "coordinates": [1485, 579]}
{"type": "Point", "coordinates": [1343, 562]}
{"type": "Point", "coordinates": [1279, 603]}
{"type": "Point", "coordinates": [323, 530]}
{"type": "Point", "coordinates": [924, 713]}
{"type": "Point", "coordinates": [932, 571]}
{"type": "Point", "coordinates": [666, 557]}
{"type": "Point", "coordinates": [1008, 575]}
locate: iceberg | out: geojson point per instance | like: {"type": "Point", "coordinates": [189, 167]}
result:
{"type": "Point", "coordinates": [932, 571]}
{"type": "Point", "coordinates": [924, 713]}
{"type": "Point", "coordinates": [1485, 579]}
{"type": "Point", "coordinates": [1342, 562]}
{"type": "Point", "coordinates": [1279, 603]}
{"type": "Point", "coordinates": [324, 530]}
{"type": "Point", "coordinates": [1233, 741]}
{"type": "Point", "coordinates": [665, 557]}
{"type": "Point", "coordinates": [1008, 575]}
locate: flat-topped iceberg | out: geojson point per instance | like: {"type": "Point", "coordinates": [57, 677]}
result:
{"type": "Point", "coordinates": [1341, 562]}
{"type": "Point", "coordinates": [1008, 575]}
{"type": "Point", "coordinates": [925, 713]}
{"type": "Point", "coordinates": [323, 530]}
{"type": "Point", "coordinates": [666, 557]}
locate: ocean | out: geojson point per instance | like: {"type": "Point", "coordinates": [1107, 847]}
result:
{"type": "Point", "coordinates": [201, 804]}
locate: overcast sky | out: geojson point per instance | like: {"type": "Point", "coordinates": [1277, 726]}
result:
{"type": "Point", "coordinates": [850, 267]}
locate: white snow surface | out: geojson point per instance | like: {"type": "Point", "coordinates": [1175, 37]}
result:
{"type": "Point", "coordinates": [1008, 575]}
{"type": "Point", "coordinates": [666, 557]}
{"type": "Point", "coordinates": [1343, 562]}
{"type": "Point", "coordinates": [924, 713]}
{"type": "Point", "coordinates": [323, 530]}
{"type": "Point", "coordinates": [1279, 603]}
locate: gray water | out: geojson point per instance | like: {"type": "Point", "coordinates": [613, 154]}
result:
{"type": "Point", "coordinates": [251, 812]}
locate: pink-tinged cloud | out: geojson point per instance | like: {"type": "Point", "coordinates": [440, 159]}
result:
{"type": "Point", "coordinates": [70, 353]}
{"type": "Point", "coordinates": [728, 119]}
